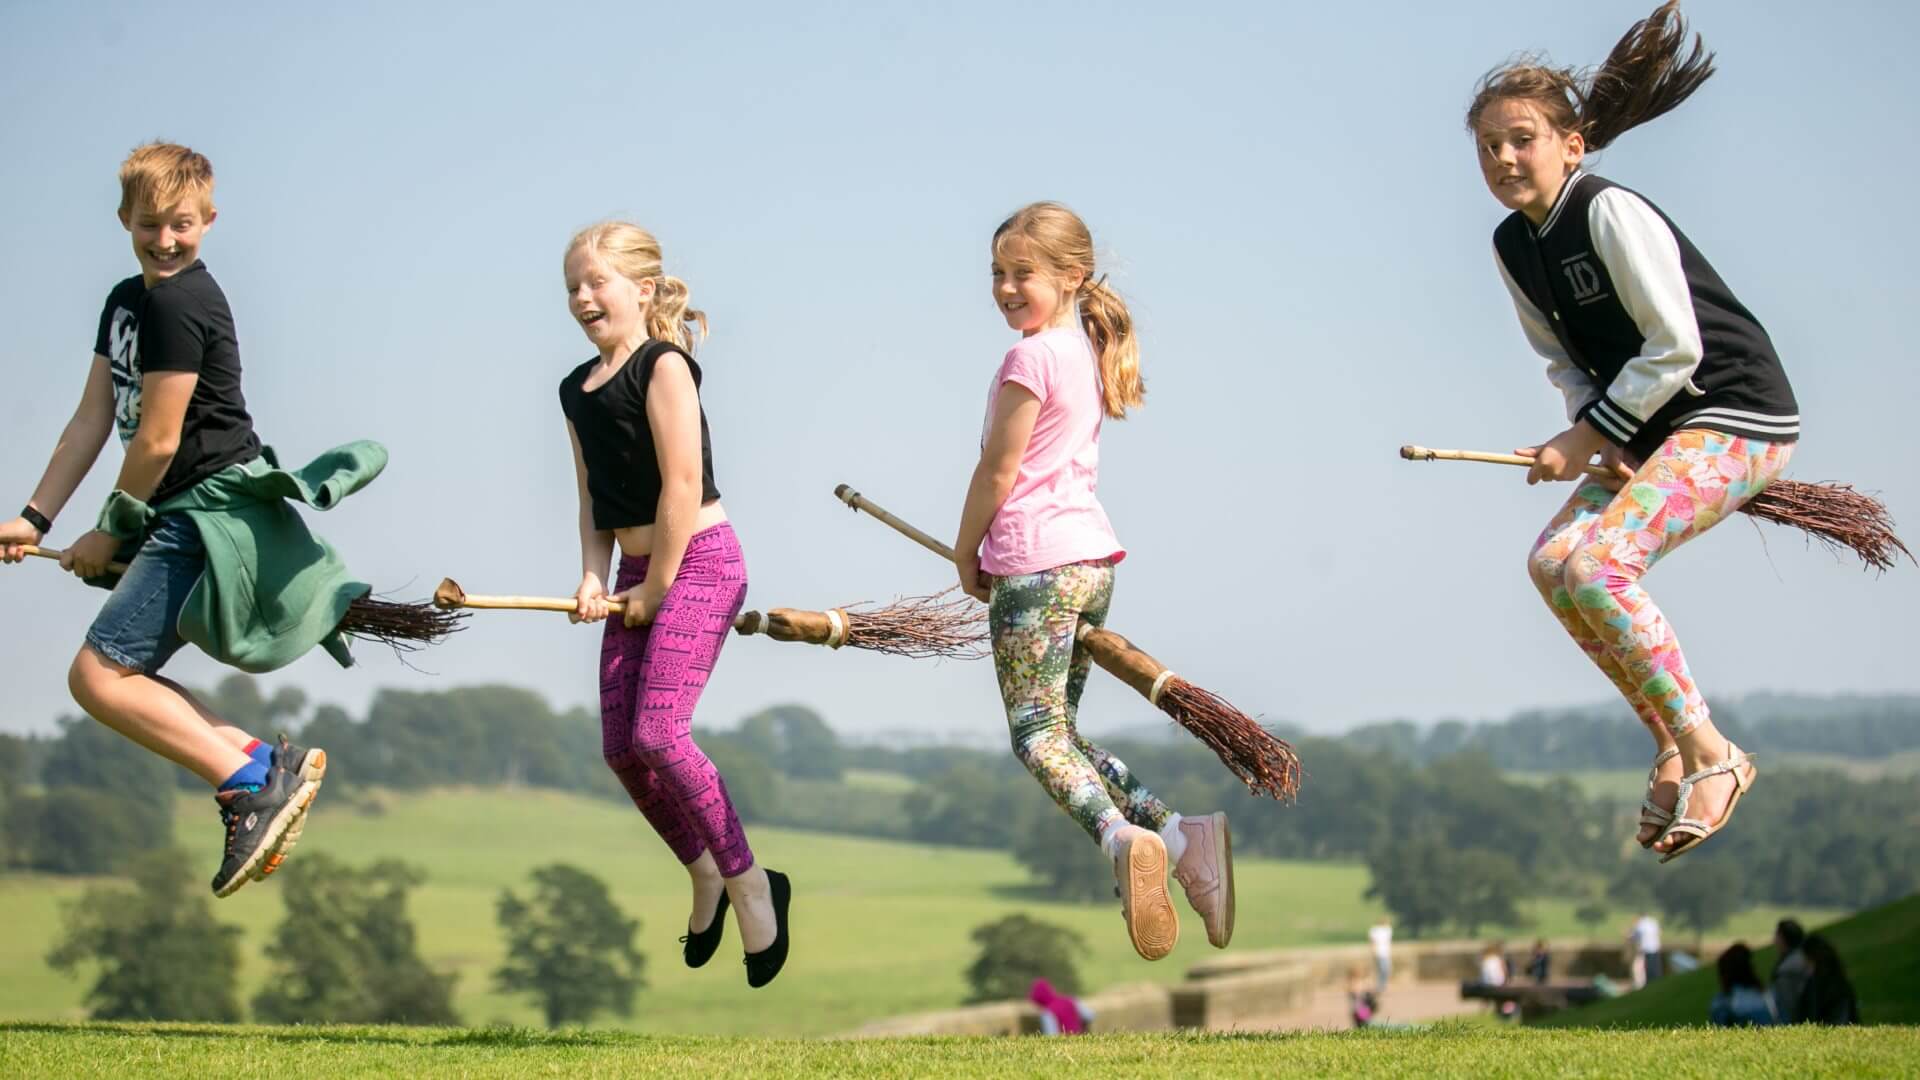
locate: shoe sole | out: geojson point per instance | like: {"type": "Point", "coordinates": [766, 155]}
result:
{"type": "Point", "coordinates": [1224, 852]}
{"type": "Point", "coordinates": [1152, 923]}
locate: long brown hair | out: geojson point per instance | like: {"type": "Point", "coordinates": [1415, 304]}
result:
{"type": "Point", "coordinates": [1649, 73]}
{"type": "Point", "coordinates": [1058, 237]}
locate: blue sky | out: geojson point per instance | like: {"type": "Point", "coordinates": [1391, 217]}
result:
{"type": "Point", "coordinates": [1284, 192]}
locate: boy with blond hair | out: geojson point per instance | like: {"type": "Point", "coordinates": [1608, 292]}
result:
{"type": "Point", "coordinates": [166, 375]}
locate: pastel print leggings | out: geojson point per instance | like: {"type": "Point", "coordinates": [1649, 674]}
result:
{"type": "Point", "coordinates": [1588, 562]}
{"type": "Point", "coordinates": [650, 679]}
{"type": "Point", "coordinates": [1042, 671]}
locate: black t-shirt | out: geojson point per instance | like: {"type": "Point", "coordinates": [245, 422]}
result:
{"type": "Point", "coordinates": [616, 439]}
{"type": "Point", "coordinates": [181, 324]}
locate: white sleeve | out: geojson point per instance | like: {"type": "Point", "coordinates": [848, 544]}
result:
{"type": "Point", "coordinates": [1643, 259]}
{"type": "Point", "coordinates": [1573, 383]}
{"type": "Point", "coordinates": [1049, 1024]}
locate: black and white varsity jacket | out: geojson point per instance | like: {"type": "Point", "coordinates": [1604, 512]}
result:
{"type": "Point", "coordinates": [1639, 332]}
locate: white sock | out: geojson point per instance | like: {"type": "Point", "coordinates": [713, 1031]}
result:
{"type": "Point", "coordinates": [1175, 839]}
{"type": "Point", "coordinates": [1110, 838]}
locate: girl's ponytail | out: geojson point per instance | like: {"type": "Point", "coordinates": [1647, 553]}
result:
{"type": "Point", "coordinates": [1649, 73]}
{"type": "Point", "coordinates": [671, 319]}
{"type": "Point", "coordinates": [1104, 316]}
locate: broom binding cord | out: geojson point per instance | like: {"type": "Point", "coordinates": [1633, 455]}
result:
{"type": "Point", "coordinates": [1834, 514]}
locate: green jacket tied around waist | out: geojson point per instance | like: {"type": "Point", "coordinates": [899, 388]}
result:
{"type": "Point", "coordinates": [271, 589]}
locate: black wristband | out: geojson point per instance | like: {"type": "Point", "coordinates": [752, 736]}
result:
{"type": "Point", "coordinates": [37, 519]}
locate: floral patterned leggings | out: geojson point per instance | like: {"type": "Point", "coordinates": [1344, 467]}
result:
{"type": "Point", "coordinates": [1042, 671]}
{"type": "Point", "coordinates": [1588, 562]}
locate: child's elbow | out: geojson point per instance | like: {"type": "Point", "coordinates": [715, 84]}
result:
{"type": "Point", "coordinates": [157, 446]}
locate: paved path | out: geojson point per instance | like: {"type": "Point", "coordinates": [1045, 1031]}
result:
{"type": "Point", "coordinates": [1404, 1003]}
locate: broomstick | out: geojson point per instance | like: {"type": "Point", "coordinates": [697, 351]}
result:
{"type": "Point", "coordinates": [404, 628]}
{"type": "Point", "coordinates": [1263, 761]}
{"type": "Point", "coordinates": [1834, 514]}
{"type": "Point", "coordinates": [916, 626]}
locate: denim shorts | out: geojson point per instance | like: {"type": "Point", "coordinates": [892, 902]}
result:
{"type": "Point", "coordinates": [139, 625]}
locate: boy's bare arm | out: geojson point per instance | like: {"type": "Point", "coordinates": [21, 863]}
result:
{"type": "Point", "coordinates": [163, 413]}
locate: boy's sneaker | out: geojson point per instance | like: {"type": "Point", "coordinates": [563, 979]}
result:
{"type": "Point", "coordinates": [308, 766]}
{"type": "Point", "coordinates": [258, 821]}
{"type": "Point", "coordinates": [1140, 867]}
{"type": "Point", "coordinates": [1205, 870]}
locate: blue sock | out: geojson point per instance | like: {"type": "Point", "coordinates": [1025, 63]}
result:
{"type": "Point", "coordinates": [251, 775]}
{"type": "Point", "coordinates": [262, 755]}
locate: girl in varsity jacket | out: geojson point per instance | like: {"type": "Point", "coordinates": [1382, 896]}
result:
{"type": "Point", "coordinates": [643, 462]}
{"type": "Point", "coordinates": [1669, 381]}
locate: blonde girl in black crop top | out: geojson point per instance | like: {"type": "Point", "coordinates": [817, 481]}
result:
{"type": "Point", "coordinates": [638, 319]}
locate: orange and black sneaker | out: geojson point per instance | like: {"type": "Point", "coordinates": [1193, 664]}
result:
{"type": "Point", "coordinates": [258, 820]}
{"type": "Point", "coordinates": [309, 766]}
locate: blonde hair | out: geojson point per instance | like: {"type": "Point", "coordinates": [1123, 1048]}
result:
{"type": "Point", "coordinates": [1057, 236]}
{"type": "Point", "coordinates": [161, 175]}
{"type": "Point", "coordinates": [634, 254]}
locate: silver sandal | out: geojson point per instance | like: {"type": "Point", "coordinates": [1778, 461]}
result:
{"type": "Point", "coordinates": [1650, 814]}
{"type": "Point", "coordinates": [1694, 830]}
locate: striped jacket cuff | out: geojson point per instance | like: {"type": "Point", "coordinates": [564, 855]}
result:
{"type": "Point", "coordinates": [1609, 419]}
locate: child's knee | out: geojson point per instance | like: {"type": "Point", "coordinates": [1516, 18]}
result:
{"type": "Point", "coordinates": [88, 676]}
{"type": "Point", "coordinates": [1546, 568]}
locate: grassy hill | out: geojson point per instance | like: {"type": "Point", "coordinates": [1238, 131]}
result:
{"type": "Point", "coordinates": [880, 926]}
{"type": "Point", "coordinates": [1881, 949]}
{"type": "Point", "coordinates": [1447, 1051]}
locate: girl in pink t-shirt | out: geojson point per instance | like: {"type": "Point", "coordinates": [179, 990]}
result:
{"type": "Point", "coordinates": [1036, 545]}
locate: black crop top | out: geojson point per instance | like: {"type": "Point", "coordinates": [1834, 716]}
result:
{"type": "Point", "coordinates": [616, 442]}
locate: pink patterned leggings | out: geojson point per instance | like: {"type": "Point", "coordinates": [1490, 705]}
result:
{"type": "Point", "coordinates": [1588, 562]}
{"type": "Point", "coordinates": [650, 679]}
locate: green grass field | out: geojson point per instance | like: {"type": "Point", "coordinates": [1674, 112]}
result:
{"type": "Point", "coordinates": [1444, 1051]}
{"type": "Point", "coordinates": [1879, 947]}
{"type": "Point", "coordinates": [880, 927]}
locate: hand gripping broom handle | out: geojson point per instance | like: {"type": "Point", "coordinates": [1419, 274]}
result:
{"type": "Point", "coordinates": [1421, 453]}
{"type": "Point", "coordinates": [55, 553]}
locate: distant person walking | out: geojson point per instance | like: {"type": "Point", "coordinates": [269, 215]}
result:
{"type": "Point", "coordinates": [1645, 938]}
{"type": "Point", "coordinates": [1540, 963]}
{"type": "Point", "coordinates": [1380, 936]}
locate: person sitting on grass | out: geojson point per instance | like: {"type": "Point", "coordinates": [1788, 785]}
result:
{"type": "Point", "coordinates": [1790, 971]}
{"type": "Point", "coordinates": [1828, 997]}
{"type": "Point", "coordinates": [1742, 1001]}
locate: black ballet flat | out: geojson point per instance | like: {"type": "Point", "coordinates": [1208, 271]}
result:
{"type": "Point", "coordinates": [765, 964]}
{"type": "Point", "coordinates": [699, 948]}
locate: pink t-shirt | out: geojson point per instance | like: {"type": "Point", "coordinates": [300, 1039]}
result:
{"type": "Point", "coordinates": [1052, 517]}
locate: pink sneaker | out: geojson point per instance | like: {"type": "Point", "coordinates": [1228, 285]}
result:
{"type": "Point", "coordinates": [1206, 872]}
{"type": "Point", "coordinates": [1141, 870]}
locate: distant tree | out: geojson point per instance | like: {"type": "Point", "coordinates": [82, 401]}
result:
{"type": "Point", "coordinates": [570, 947]}
{"type": "Point", "coordinates": [1059, 856]}
{"type": "Point", "coordinates": [966, 805]}
{"type": "Point", "coordinates": [347, 953]}
{"type": "Point", "coordinates": [1591, 914]}
{"type": "Point", "coordinates": [1427, 883]}
{"type": "Point", "coordinates": [795, 740]}
{"type": "Point", "coordinates": [1703, 898]}
{"type": "Point", "coordinates": [160, 954]}
{"type": "Point", "coordinates": [1018, 949]}
{"type": "Point", "coordinates": [87, 830]}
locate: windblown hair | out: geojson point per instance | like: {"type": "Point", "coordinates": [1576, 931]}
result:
{"type": "Point", "coordinates": [634, 254]}
{"type": "Point", "coordinates": [1648, 74]}
{"type": "Point", "coordinates": [160, 175]}
{"type": "Point", "coordinates": [1056, 236]}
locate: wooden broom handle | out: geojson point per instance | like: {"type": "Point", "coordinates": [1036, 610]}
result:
{"type": "Point", "coordinates": [55, 553]}
{"type": "Point", "coordinates": [1421, 453]}
{"type": "Point", "coordinates": [858, 501]}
